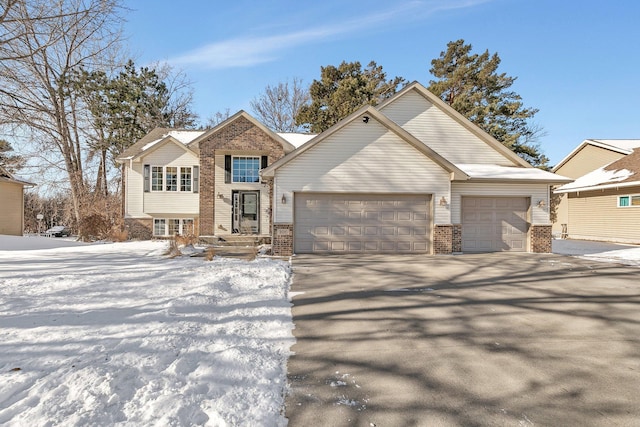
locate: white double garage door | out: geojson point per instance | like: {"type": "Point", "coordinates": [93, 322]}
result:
{"type": "Point", "coordinates": [400, 223]}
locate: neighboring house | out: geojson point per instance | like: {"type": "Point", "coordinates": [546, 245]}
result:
{"type": "Point", "coordinates": [603, 203]}
{"type": "Point", "coordinates": [12, 206]}
{"type": "Point", "coordinates": [202, 182]}
{"type": "Point", "coordinates": [410, 175]}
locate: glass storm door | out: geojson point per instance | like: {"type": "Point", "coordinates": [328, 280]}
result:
{"type": "Point", "coordinates": [246, 212]}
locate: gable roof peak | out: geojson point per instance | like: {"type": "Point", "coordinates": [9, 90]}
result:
{"type": "Point", "coordinates": [286, 145]}
{"type": "Point", "coordinates": [366, 114]}
{"type": "Point", "coordinates": [435, 100]}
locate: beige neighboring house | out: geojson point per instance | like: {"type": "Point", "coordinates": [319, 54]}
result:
{"type": "Point", "coordinates": [203, 182]}
{"type": "Point", "coordinates": [12, 206]}
{"type": "Point", "coordinates": [410, 175]}
{"type": "Point", "coordinates": [603, 203]}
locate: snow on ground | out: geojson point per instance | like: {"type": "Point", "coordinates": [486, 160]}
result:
{"type": "Point", "coordinates": [599, 251]}
{"type": "Point", "coordinates": [118, 334]}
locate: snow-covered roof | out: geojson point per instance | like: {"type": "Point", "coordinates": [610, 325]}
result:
{"type": "Point", "coordinates": [509, 173]}
{"type": "Point", "coordinates": [624, 172]}
{"type": "Point", "coordinates": [185, 136]}
{"type": "Point", "coordinates": [599, 178]}
{"type": "Point", "coordinates": [5, 176]}
{"type": "Point", "coordinates": [296, 139]}
{"type": "Point", "coordinates": [154, 137]}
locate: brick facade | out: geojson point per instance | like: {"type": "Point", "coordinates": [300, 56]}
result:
{"type": "Point", "coordinates": [447, 239]}
{"type": "Point", "coordinates": [282, 240]}
{"type": "Point", "coordinates": [442, 239]}
{"type": "Point", "coordinates": [456, 245]}
{"type": "Point", "coordinates": [541, 238]}
{"type": "Point", "coordinates": [241, 135]}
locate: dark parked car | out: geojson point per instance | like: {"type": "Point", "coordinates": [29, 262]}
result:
{"type": "Point", "coordinates": [58, 231]}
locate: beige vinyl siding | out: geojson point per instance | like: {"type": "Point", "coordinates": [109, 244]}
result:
{"type": "Point", "coordinates": [588, 159]}
{"type": "Point", "coordinates": [439, 131]}
{"type": "Point", "coordinates": [536, 192]}
{"type": "Point", "coordinates": [595, 215]}
{"type": "Point", "coordinates": [166, 203]}
{"type": "Point", "coordinates": [11, 208]}
{"type": "Point", "coordinates": [361, 158]}
{"type": "Point", "coordinates": [223, 208]}
{"type": "Point", "coordinates": [134, 205]}
{"type": "Point", "coordinates": [562, 214]}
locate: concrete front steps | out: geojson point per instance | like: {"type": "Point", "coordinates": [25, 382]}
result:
{"type": "Point", "coordinates": [237, 240]}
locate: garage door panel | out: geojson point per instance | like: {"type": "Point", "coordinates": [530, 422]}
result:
{"type": "Point", "coordinates": [337, 231]}
{"type": "Point", "coordinates": [355, 231]}
{"type": "Point", "coordinates": [494, 224]}
{"type": "Point", "coordinates": [387, 215]}
{"type": "Point", "coordinates": [371, 246]}
{"type": "Point", "coordinates": [362, 223]}
{"type": "Point", "coordinates": [419, 231]}
{"type": "Point", "coordinates": [404, 216]}
{"type": "Point", "coordinates": [371, 231]}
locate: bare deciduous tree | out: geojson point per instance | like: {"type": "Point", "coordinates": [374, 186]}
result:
{"type": "Point", "coordinates": [44, 43]}
{"type": "Point", "coordinates": [217, 118]}
{"type": "Point", "coordinates": [278, 106]}
{"type": "Point", "coordinates": [178, 110]}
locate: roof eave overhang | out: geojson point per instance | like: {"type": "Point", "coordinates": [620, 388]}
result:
{"type": "Point", "coordinates": [166, 140]}
{"type": "Point", "coordinates": [599, 187]}
{"type": "Point", "coordinates": [584, 143]}
{"type": "Point", "coordinates": [455, 172]}
{"type": "Point", "coordinates": [519, 180]}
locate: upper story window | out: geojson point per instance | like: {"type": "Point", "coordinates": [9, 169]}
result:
{"type": "Point", "coordinates": [246, 169]}
{"type": "Point", "coordinates": [185, 179]}
{"type": "Point", "coordinates": [629, 201]}
{"type": "Point", "coordinates": [156, 178]}
{"type": "Point", "coordinates": [171, 178]}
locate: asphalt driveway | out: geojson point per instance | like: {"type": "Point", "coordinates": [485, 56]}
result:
{"type": "Point", "coordinates": [492, 339]}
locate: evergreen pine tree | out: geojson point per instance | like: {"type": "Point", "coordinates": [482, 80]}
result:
{"type": "Point", "coordinates": [342, 90]}
{"type": "Point", "coordinates": [471, 84]}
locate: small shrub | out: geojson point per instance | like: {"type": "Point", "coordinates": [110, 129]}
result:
{"type": "Point", "coordinates": [186, 240]}
{"type": "Point", "coordinates": [210, 254]}
{"type": "Point", "coordinates": [173, 250]}
{"type": "Point", "coordinates": [118, 235]}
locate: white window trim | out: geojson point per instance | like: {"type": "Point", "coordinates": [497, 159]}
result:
{"type": "Point", "coordinates": [631, 197]}
{"type": "Point", "coordinates": [233, 180]}
{"type": "Point", "coordinates": [181, 227]}
{"type": "Point", "coordinates": [164, 179]}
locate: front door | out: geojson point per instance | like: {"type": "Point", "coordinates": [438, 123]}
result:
{"type": "Point", "coordinates": [246, 212]}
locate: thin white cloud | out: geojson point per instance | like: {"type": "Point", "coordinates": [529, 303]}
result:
{"type": "Point", "coordinates": [253, 50]}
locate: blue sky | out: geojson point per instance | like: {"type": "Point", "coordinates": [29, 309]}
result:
{"type": "Point", "coordinates": [578, 62]}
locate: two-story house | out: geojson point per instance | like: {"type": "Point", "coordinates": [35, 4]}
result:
{"type": "Point", "coordinates": [204, 182]}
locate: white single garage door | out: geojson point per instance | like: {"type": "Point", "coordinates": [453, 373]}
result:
{"type": "Point", "coordinates": [362, 223]}
{"type": "Point", "coordinates": [492, 224]}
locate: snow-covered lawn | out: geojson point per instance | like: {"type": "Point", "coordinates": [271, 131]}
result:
{"type": "Point", "coordinates": [117, 334]}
